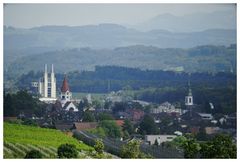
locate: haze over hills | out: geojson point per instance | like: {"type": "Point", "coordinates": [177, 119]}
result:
{"type": "Point", "coordinates": [191, 22]}
{"type": "Point", "coordinates": [164, 42]}
{"type": "Point", "coordinates": [110, 36]}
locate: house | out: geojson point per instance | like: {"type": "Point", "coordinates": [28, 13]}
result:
{"type": "Point", "coordinates": [119, 122]}
{"type": "Point", "coordinates": [211, 130]}
{"type": "Point", "coordinates": [12, 118]}
{"type": "Point", "coordinates": [69, 106]}
{"type": "Point", "coordinates": [121, 115]}
{"type": "Point", "coordinates": [191, 115]}
{"type": "Point", "coordinates": [64, 126]}
{"type": "Point", "coordinates": [84, 125]}
{"type": "Point", "coordinates": [167, 108]}
{"type": "Point", "coordinates": [150, 139]}
{"type": "Point", "coordinates": [135, 114]}
{"type": "Point", "coordinates": [231, 120]}
{"type": "Point", "coordinates": [205, 116]}
{"type": "Point", "coordinates": [89, 109]}
{"type": "Point", "coordinates": [143, 103]}
{"type": "Point", "coordinates": [194, 130]}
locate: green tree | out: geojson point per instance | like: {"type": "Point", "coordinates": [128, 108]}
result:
{"type": "Point", "coordinates": [97, 104]}
{"type": "Point", "coordinates": [22, 101]}
{"type": "Point", "coordinates": [111, 128]}
{"type": "Point", "coordinates": [9, 109]}
{"type": "Point", "coordinates": [88, 117]}
{"type": "Point", "coordinates": [128, 126]}
{"type": "Point", "coordinates": [156, 142]}
{"type": "Point", "coordinates": [29, 122]}
{"type": "Point", "coordinates": [34, 154]}
{"type": "Point", "coordinates": [99, 146]}
{"type": "Point", "coordinates": [191, 147]}
{"type": "Point", "coordinates": [67, 151]}
{"type": "Point", "coordinates": [104, 116]}
{"type": "Point", "coordinates": [179, 141]}
{"type": "Point", "coordinates": [125, 135]}
{"type": "Point", "coordinates": [131, 150]}
{"type": "Point", "coordinates": [148, 126]}
{"type": "Point", "coordinates": [201, 136]}
{"type": "Point", "coordinates": [221, 146]}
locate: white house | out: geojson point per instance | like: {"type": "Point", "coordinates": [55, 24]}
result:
{"type": "Point", "coordinates": [150, 139]}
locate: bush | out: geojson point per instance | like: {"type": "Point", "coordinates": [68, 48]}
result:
{"type": "Point", "coordinates": [131, 150]}
{"type": "Point", "coordinates": [67, 151]}
{"type": "Point", "coordinates": [111, 128]}
{"type": "Point", "coordinates": [33, 154]}
{"type": "Point", "coordinates": [99, 146]}
{"type": "Point", "coordinates": [29, 122]}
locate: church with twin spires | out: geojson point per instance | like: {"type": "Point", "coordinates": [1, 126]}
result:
{"type": "Point", "coordinates": [47, 91]}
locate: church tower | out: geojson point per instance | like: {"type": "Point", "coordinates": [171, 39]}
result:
{"type": "Point", "coordinates": [47, 85]}
{"type": "Point", "coordinates": [66, 95]}
{"type": "Point", "coordinates": [189, 101]}
{"type": "Point", "coordinates": [189, 97]}
{"type": "Point", "coordinates": [53, 84]}
{"type": "Point", "coordinates": [45, 82]}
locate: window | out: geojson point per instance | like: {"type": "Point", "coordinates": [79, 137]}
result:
{"type": "Point", "coordinates": [190, 100]}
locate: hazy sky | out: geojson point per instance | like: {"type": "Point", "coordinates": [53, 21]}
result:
{"type": "Point", "coordinates": [31, 15]}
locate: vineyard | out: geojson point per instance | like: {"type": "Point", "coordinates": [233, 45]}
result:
{"type": "Point", "coordinates": [19, 139]}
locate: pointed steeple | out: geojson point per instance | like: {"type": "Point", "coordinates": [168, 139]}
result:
{"type": "Point", "coordinates": [189, 89]}
{"type": "Point", "coordinates": [65, 86]}
{"type": "Point", "coordinates": [45, 68]}
{"type": "Point", "coordinates": [52, 69]}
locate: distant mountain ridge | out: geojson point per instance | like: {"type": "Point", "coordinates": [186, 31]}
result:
{"type": "Point", "coordinates": [191, 22]}
{"type": "Point", "coordinates": [110, 36]}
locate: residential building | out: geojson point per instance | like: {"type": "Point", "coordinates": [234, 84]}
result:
{"type": "Point", "coordinates": [150, 139]}
{"type": "Point", "coordinates": [167, 108]}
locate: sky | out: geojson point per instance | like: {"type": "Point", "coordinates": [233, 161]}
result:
{"type": "Point", "coordinates": [32, 15]}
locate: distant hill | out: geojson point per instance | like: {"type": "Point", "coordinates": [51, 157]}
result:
{"type": "Point", "coordinates": [191, 22]}
{"type": "Point", "coordinates": [197, 59]}
{"type": "Point", "coordinates": [108, 36]}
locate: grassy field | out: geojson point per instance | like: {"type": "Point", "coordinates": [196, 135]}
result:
{"type": "Point", "coordinates": [16, 135]}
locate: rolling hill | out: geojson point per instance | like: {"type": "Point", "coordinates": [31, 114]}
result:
{"type": "Point", "coordinates": [197, 59]}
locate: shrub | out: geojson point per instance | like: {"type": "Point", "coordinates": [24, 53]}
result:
{"type": "Point", "coordinates": [67, 151]}
{"type": "Point", "coordinates": [33, 154]}
{"type": "Point", "coordinates": [99, 146]}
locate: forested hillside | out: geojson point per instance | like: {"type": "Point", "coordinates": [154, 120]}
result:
{"type": "Point", "coordinates": [198, 59]}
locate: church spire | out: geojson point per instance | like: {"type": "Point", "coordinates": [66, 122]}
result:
{"type": "Point", "coordinates": [189, 88]}
{"type": "Point", "coordinates": [65, 86]}
{"type": "Point", "coordinates": [52, 69]}
{"type": "Point", "coordinates": [45, 68]}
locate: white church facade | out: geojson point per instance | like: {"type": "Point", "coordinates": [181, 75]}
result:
{"type": "Point", "coordinates": [47, 86]}
{"type": "Point", "coordinates": [48, 93]}
{"type": "Point", "coordinates": [66, 97]}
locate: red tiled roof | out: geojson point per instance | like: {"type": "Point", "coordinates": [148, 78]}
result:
{"type": "Point", "coordinates": [65, 86]}
{"type": "Point", "coordinates": [85, 125]}
{"type": "Point", "coordinates": [119, 122]}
